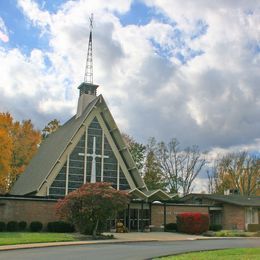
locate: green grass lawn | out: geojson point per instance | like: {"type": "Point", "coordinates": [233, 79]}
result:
{"type": "Point", "coordinates": [226, 254]}
{"type": "Point", "coordinates": [12, 238]}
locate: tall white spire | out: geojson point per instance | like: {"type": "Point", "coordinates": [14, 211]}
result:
{"type": "Point", "coordinates": [88, 78]}
{"type": "Point", "coordinates": [87, 90]}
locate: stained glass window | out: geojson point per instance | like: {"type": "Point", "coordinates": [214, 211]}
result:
{"type": "Point", "coordinates": [76, 164]}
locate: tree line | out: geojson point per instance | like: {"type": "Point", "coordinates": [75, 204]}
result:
{"type": "Point", "coordinates": [18, 143]}
{"type": "Point", "coordinates": [167, 166]}
{"type": "Point", "coordinates": [174, 168]}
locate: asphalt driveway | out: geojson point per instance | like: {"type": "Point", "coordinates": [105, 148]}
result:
{"type": "Point", "coordinates": [126, 251]}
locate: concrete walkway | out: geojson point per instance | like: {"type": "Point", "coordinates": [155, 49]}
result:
{"type": "Point", "coordinates": [122, 238]}
{"type": "Point", "coordinates": [119, 238]}
{"type": "Point", "coordinates": [154, 236]}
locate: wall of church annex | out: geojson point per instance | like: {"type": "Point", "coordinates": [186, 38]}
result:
{"type": "Point", "coordinates": [157, 212]}
{"type": "Point", "coordinates": [27, 209]}
{"type": "Point", "coordinates": [43, 210]}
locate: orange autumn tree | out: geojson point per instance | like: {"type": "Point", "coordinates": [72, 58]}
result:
{"type": "Point", "coordinates": [6, 147]}
{"type": "Point", "coordinates": [237, 171]}
{"type": "Point", "coordinates": [18, 144]}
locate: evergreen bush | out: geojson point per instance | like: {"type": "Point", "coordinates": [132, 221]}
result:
{"type": "Point", "coordinates": [12, 226]}
{"type": "Point", "coordinates": [60, 227]}
{"type": "Point", "coordinates": [170, 227]}
{"type": "Point", "coordinates": [36, 226]}
{"type": "Point", "coordinates": [22, 225]}
{"type": "Point", "coordinates": [215, 227]}
{"type": "Point", "coordinates": [2, 226]}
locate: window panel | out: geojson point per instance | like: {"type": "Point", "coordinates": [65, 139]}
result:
{"type": "Point", "coordinates": [76, 164]}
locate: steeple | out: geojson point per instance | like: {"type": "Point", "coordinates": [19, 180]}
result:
{"type": "Point", "coordinates": [88, 78]}
{"type": "Point", "coordinates": [87, 90]}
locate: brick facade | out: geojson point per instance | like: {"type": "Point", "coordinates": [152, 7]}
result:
{"type": "Point", "coordinates": [233, 217]}
{"type": "Point", "coordinates": [30, 209]}
{"type": "Point", "coordinates": [157, 214]}
{"type": "Point", "coordinates": [26, 209]}
{"type": "Point", "coordinates": [43, 210]}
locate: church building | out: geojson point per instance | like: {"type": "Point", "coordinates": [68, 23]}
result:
{"type": "Point", "coordinates": [88, 148]}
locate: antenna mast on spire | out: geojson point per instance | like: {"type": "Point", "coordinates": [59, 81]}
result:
{"type": "Point", "coordinates": [88, 78]}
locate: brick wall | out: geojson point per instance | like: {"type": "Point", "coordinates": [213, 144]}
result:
{"type": "Point", "coordinates": [233, 217]}
{"type": "Point", "coordinates": [157, 218]}
{"type": "Point", "coordinates": [27, 210]}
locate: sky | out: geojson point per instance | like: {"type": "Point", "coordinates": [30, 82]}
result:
{"type": "Point", "coordinates": [184, 69]}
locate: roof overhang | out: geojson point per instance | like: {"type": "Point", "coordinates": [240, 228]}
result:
{"type": "Point", "coordinates": [153, 196]}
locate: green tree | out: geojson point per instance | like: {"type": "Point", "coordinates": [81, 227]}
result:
{"type": "Point", "coordinates": [51, 127]}
{"type": "Point", "coordinates": [137, 151]}
{"type": "Point", "coordinates": [91, 204]}
{"type": "Point", "coordinates": [152, 173]}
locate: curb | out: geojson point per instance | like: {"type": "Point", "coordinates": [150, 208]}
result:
{"type": "Point", "coordinates": [72, 243]}
{"type": "Point", "coordinates": [100, 242]}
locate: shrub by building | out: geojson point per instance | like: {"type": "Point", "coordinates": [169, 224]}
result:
{"type": "Point", "coordinates": [12, 226]}
{"type": "Point", "coordinates": [215, 227]}
{"type": "Point", "coordinates": [60, 227]}
{"type": "Point", "coordinates": [36, 226]}
{"type": "Point", "coordinates": [22, 225]}
{"type": "Point", "coordinates": [170, 227]}
{"type": "Point", "coordinates": [2, 226]}
{"type": "Point", "coordinates": [192, 223]}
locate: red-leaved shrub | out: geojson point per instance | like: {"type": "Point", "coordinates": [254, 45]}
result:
{"type": "Point", "coordinates": [192, 223]}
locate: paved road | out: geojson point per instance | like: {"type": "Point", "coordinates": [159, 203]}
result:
{"type": "Point", "coordinates": [133, 251]}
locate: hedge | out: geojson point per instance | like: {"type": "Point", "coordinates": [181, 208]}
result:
{"type": "Point", "coordinates": [192, 223]}
{"type": "Point", "coordinates": [60, 227]}
{"type": "Point", "coordinates": [215, 227]}
{"type": "Point", "coordinates": [170, 227]}
{"type": "Point", "coordinates": [2, 226]}
{"type": "Point", "coordinates": [36, 226]}
{"type": "Point", "coordinates": [12, 226]}
{"type": "Point", "coordinates": [22, 225]}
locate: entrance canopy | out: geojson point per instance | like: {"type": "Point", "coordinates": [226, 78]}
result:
{"type": "Point", "coordinates": [150, 196]}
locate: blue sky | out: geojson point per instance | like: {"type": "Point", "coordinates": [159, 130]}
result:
{"type": "Point", "coordinates": [183, 69]}
{"type": "Point", "coordinates": [26, 36]}
{"type": "Point", "coordinates": [21, 33]}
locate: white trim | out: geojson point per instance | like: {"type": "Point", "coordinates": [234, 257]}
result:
{"type": "Point", "coordinates": [137, 190]}
{"type": "Point", "coordinates": [85, 156]}
{"type": "Point", "coordinates": [102, 155]}
{"type": "Point", "coordinates": [157, 191]}
{"type": "Point", "coordinates": [67, 174]}
{"type": "Point", "coordinates": [115, 150]}
{"type": "Point", "coordinates": [47, 189]}
{"type": "Point", "coordinates": [118, 176]}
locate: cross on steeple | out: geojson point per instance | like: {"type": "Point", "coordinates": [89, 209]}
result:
{"type": "Point", "coordinates": [94, 156]}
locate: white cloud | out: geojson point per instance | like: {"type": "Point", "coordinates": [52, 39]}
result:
{"type": "Point", "coordinates": [3, 31]}
{"type": "Point", "coordinates": [212, 99]}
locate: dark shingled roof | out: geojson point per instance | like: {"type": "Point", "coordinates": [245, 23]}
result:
{"type": "Point", "coordinates": [47, 155]}
{"type": "Point", "coordinates": [248, 201]}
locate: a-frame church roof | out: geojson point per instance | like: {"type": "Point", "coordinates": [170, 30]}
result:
{"type": "Point", "coordinates": [42, 164]}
